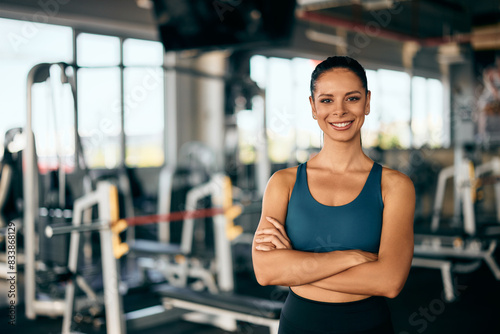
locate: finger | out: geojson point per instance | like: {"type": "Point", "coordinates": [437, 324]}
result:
{"type": "Point", "coordinates": [265, 248]}
{"type": "Point", "coordinates": [278, 229]}
{"type": "Point", "coordinates": [278, 240]}
{"type": "Point", "coordinates": [279, 226]}
{"type": "Point", "coordinates": [271, 219]}
{"type": "Point", "coordinates": [268, 237]}
{"type": "Point", "coordinates": [274, 221]}
{"type": "Point", "coordinates": [268, 231]}
{"type": "Point", "coordinates": [275, 232]}
{"type": "Point", "coordinates": [272, 239]}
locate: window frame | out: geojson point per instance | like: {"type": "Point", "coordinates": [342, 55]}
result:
{"type": "Point", "coordinates": [122, 155]}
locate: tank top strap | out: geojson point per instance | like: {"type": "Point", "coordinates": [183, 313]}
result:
{"type": "Point", "coordinates": [375, 176]}
{"type": "Point", "coordinates": [301, 178]}
{"type": "Point", "coordinates": [373, 185]}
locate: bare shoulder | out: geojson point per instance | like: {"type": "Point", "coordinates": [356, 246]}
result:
{"type": "Point", "coordinates": [285, 175]}
{"type": "Point", "coordinates": [396, 183]}
{"type": "Point", "coordinates": [277, 195]}
{"type": "Point", "coordinates": [283, 179]}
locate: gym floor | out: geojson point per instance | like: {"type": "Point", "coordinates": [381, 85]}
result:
{"type": "Point", "coordinates": [418, 309]}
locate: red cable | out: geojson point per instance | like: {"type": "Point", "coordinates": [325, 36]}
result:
{"type": "Point", "coordinates": [174, 216]}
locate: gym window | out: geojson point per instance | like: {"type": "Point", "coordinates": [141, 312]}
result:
{"type": "Point", "coordinates": [111, 71]}
{"type": "Point", "coordinates": [25, 44]}
{"type": "Point", "coordinates": [143, 102]}
{"type": "Point", "coordinates": [129, 78]}
{"type": "Point", "coordinates": [291, 132]}
{"type": "Point", "coordinates": [406, 112]}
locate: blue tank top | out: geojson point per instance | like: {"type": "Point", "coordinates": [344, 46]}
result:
{"type": "Point", "coordinates": [315, 227]}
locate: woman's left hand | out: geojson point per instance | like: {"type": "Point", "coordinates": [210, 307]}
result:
{"type": "Point", "coordinates": [272, 238]}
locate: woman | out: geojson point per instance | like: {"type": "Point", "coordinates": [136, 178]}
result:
{"type": "Point", "coordinates": [490, 98]}
{"type": "Point", "coordinates": [338, 230]}
{"type": "Point", "coordinates": [489, 102]}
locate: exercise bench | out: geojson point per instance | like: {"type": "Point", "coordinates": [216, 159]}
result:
{"type": "Point", "coordinates": [257, 311]}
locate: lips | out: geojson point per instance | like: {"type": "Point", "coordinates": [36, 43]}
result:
{"type": "Point", "coordinates": [341, 125]}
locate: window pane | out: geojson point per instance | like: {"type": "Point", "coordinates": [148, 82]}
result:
{"type": "Point", "coordinates": [140, 52]}
{"type": "Point", "coordinates": [435, 114]}
{"type": "Point", "coordinates": [23, 45]}
{"type": "Point", "coordinates": [99, 106]}
{"type": "Point", "coordinates": [395, 109]}
{"type": "Point", "coordinates": [279, 110]}
{"type": "Point", "coordinates": [427, 112]}
{"type": "Point", "coordinates": [247, 128]}
{"type": "Point", "coordinates": [419, 111]}
{"type": "Point", "coordinates": [144, 116]}
{"type": "Point", "coordinates": [97, 50]}
{"type": "Point", "coordinates": [290, 128]}
{"type": "Point", "coordinates": [370, 132]}
{"type": "Point", "coordinates": [308, 133]}
{"type": "Point", "coordinates": [258, 70]}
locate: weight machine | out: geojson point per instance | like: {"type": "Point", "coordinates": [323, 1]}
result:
{"type": "Point", "coordinates": [51, 74]}
{"type": "Point", "coordinates": [215, 306]}
{"type": "Point", "coordinates": [177, 262]}
{"type": "Point", "coordinates": [45, 196]}
{"type": "Point", "coordinates": [450, 253]}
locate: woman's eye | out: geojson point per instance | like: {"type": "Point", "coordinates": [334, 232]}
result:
{"type": "Point", "coordinates": [325, 100]}
{"type": "Point", "coordinates": [353, 98]}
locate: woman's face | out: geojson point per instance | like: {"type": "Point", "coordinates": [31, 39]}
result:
{"type": "Point", "coordinates": [340, 104]}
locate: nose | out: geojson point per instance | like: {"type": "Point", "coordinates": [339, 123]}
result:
{"type": "Point", "coordinates": [338, 109]}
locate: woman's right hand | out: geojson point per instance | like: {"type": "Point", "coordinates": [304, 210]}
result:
{"type": "Point", "coordinates": [272, 238]}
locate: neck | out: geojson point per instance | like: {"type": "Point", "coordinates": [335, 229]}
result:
{"type": "Point", "coordinates": [341, 156]}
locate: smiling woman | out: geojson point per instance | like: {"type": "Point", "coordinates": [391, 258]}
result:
{"type": "Point", "coordinates": [339, 104]}
{"type": "Point", "coordinates": [343, 219]}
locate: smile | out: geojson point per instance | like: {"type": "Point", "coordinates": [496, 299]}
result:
{"type": "Point", "coordinates": [341, 126]}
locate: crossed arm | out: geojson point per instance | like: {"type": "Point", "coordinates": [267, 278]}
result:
{"type": "Point", "coordinates": [351, 271]}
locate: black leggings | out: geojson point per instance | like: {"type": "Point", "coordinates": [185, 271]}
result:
{"type": "Point", "coordinates": [304, 316]}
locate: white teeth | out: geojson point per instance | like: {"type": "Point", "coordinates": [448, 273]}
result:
{"type": "Point", "coordinates": [341, 125]}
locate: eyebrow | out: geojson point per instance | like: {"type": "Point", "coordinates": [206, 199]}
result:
{"type": "Point", "coordinates": [348, 93]}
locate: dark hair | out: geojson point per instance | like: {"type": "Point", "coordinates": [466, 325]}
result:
{"type": "Point", "coordinates": [331, 63]}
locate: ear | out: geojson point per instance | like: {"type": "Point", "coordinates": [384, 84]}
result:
{"type": "Point", "coordinates": [313, 107]}
{"type": "Point", "coordinates": [367, 104]}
